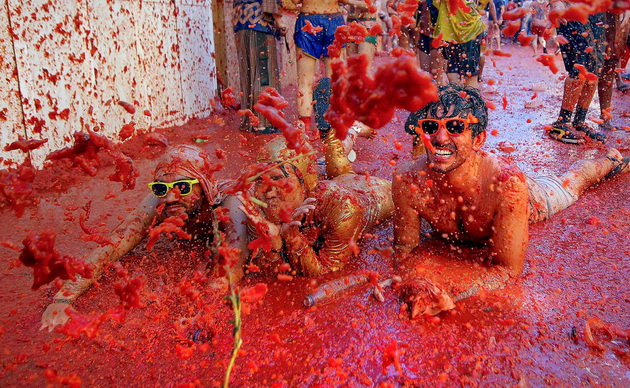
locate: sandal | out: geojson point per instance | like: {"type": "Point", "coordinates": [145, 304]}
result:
{"type": "Point", "coordinates": [621, 165]}
{"type": "Point", "coordinates": [562, 132]}
{"type": "Point", "coordinates": [590, 132]}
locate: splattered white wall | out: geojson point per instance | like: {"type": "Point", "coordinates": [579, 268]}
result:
{"type": "Point", "coordinates": [65, 65]}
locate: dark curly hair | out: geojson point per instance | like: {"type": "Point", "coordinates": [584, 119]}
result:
{"type": "Point", "coordinates": [451, 96]}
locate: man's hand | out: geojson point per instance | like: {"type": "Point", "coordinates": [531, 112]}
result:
{"type": "Point", "coordinates": [280, 25]}
{"type": "Point", "coordinates": [424, 297]}
{"type": "Point", "coordinates": [299, 212]}
{"type": "Point", "coordinates": [254, 215]}
{"type": "Point", "coordinates": [55, 315]}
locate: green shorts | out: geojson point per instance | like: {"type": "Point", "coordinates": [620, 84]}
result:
{"type": "Point", "coordinates": [371, 39]}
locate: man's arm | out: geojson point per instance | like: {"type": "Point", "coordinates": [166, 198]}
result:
{"type": "Point", "coordinates": [406, 218]}
{"type": "Point", "coordinates": [510, 234]}
{"type": "Point", "coordinates": [124, 238]}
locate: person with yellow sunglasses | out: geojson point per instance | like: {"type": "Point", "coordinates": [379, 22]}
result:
{"type": "Point", "coordinates": [183, 187]}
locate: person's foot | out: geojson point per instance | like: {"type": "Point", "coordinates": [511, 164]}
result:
{"type": "Point", "coordinates": [623, 87]}
{"type": "Point", "coordinates": [606, 126]}
{"type": "Point", "coordinates": [590, 132]}
{"type": "Point", "coordinates": [564, 133]}
{"type": "Point", "coordinates": [619, 163]}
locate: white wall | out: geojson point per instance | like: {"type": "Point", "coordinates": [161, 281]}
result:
{"type": "Point", "coordinates": [66, 64]}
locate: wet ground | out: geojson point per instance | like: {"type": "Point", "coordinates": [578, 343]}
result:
{"type": "Point", "coordinates": [531, 334]}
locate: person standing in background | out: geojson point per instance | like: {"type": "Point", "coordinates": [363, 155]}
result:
{"type": "Point", "coordinates": [257, 24]}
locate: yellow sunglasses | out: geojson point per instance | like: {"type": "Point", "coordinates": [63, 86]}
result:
{"type": "Point", "coordinates": [160, 189]}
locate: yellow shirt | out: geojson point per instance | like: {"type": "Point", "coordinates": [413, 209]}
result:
{"type": "Point", "coordinates": [460, 27]}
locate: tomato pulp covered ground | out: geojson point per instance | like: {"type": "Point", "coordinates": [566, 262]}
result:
{"type": "Point", "coordinates": [533, 332]}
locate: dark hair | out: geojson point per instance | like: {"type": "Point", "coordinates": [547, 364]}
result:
{"type": "Point", "coordinates": [451, 96]}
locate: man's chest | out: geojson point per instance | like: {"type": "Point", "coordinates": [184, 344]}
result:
{"type": "Point", "coordinates": [457, 217]}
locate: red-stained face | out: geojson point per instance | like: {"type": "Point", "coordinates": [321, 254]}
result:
{"type": "Point", "coordinates": [452, 150]}
{"type": "Point", "coordinates": [287, 195]}
{"type": "Point", "coordinates": [177, 204]}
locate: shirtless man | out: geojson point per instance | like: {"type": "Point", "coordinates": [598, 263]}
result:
{"type": "Point", "coordinates": [184, 188]}
{"type": "Point", "coordinates": [466, 194]}
{"type": "Point", "coordinates": [327, 217]}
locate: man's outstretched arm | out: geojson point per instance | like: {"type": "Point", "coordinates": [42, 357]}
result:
{"type": "Point", "coordinates": [406, 219]}
{"type": "Point", "coordinates": [510, 234]}
{"type": "Point", "coordinates": [124, 238]}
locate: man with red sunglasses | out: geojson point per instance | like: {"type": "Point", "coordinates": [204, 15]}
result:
{"type": "Point", "coordinates": [466, 194]}
{"type": "Point", "coordinates": [183, 187]}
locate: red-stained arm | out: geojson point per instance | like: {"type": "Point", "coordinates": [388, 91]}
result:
{"type": "Point", "coordinates": [406, 219]}
{"type": "Point", "coordinates": [301, 254]}
{"type": "Point", "coordinates": [124, 238]}
{"type": "Point", "coordinates": [510, 234]}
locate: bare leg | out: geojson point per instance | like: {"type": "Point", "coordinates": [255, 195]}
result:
{"type": "Point", "coordinates": [306, 75]}
{"type": "Point", "coordinates": [605, 87]}
{"type": "Point", "coordinates": [588, 91]}
{"type": "Point", "coordinates": [585, 173]}
{"type": "Point", "coordinates": [572, 92]}
{"type": "Point", "coordinates": [370, 50]}
{"type": "Point", "coordinates": [473, 81]}
{"type": "Point", "coordinates": [454, 78]}
{"type": "Point", "coordinates": [535, 44]}
{"type": "Point", "coordinates": [328, 61]}
{"type": "Point", "coordinates": [543, 43]}
{"type": "Point", "coordinates": [425, 61]}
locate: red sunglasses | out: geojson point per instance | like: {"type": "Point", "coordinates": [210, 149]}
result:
{"type": "Point", "coordinates": [454, 125]}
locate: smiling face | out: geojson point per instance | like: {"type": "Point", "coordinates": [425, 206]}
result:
{"type": "Point", "coordinates": [177, 204]}
{"type": "Point", "coordinates": [452, 150]}
{"type": "Point", "coordinates": [281, 191]}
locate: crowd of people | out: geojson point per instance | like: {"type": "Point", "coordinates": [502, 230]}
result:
{"type": "Point", "coordinates": [312, 221]}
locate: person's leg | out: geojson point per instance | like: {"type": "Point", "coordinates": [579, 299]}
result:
{"type": "Point", "coordinates": [472, 81]}
{"type": "Point", "coordinates": [471, 62]}
{"type": "Point", "coordinates": [561, 129]}
{"type": "Point", "coordinates": [482, 65]}
{"type": "Point", "coordinates": [535, 43]}
{"type": "Point", "coordinates": [306, 74]}
{"type": "Point", "coordinates": [425, 61]}
{"type": "Point", "coordinates": [581, 110]}
{"type": "Point", "coordinates": [605, 89]}
{"type": "Point", "coordinates": [454, 78]}
{"type": "Point", "coordinates": [352, 49]}
{"type": "Point", "coordinates": [246, 74]}
{"type": "Point", "coordinates": [585, 173]}
{"type": "Point", "coordinates": [369, 49]}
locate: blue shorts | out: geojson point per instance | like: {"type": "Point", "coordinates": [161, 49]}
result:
{"type": "Point", "coordinates": [316, 45]}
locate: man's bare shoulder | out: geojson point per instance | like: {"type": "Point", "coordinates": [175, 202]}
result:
{"type": "Point", "coordinates": [413, 167]}
{"type": "Point", "coordinates": [507, 176]}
